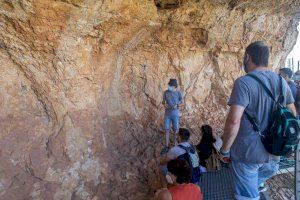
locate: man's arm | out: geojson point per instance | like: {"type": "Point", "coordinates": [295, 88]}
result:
{"type": "Point", "coordinates": [169, 156]}
{"type": "Point", "coordinates": [164, 160]}
{"type": "Point", "coordinates": [292, 108]}
{"type": "Point", "coordinates": [164, 102]}
{"type": "Point", "coordinates": [290, 101]}
{"type": "Point", "coordinates": [180, 97]}
{"type": "Point", "coordinates": [232, 126]}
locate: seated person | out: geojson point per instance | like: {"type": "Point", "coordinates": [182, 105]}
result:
{"type": "Point", "coordinates": [205, 147]}
{"type": "Point", "coordinates": [180, 175]}
{"type": "Point", "coordinates": [185, 151]}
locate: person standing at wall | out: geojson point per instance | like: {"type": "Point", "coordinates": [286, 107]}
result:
{"type": "Point", "coordinates": [251, 163]}
{"type": "Point", "coordinates": [172, 98]}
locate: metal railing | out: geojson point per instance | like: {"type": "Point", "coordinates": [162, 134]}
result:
{"type": "Point", "coordinates": [297, 173]}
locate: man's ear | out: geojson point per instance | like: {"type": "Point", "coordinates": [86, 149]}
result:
{"type": "Point", "coordinates": [250, 62]}
{"type": "Point", "coordinates": [247, 56]}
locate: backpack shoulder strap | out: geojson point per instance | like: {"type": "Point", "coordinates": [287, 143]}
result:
{"type": "Point", "coordinates": [249, 117]}
{"type": "Point", "coordinates": [182, 147]}
{"type": "Point", "coordinates": [264, 86]}
{"type": "Point", "coordinates": [187, 149]}
{"type": "Point", "coordinates": [280, 99]}
{"type": "Point", "coordinates": [252, 121]}
{"type": "Point", "coordinates": [281, 95]}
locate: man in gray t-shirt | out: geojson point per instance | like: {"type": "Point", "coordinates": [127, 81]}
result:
{"type": "Point", "coordinates": [251, 164]}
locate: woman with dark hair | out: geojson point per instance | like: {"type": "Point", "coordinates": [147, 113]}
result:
{"type": "Point", "coordinates": [205, 147]}
{"type": "Point", "coordinates": [179, 175]}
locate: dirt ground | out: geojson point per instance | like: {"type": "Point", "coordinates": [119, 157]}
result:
{"type": "Point", "coordinates": [282, 187]}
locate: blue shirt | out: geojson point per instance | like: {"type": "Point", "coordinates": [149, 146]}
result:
{"type": "Point", "coordinates": [293, 88]}
{"type": "Point", "coordinates": [172, 99]}
{"type": "Point", "coordinates": [248, 93]}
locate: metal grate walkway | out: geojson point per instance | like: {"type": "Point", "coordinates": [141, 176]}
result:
{"type": "Point", "coordinates": [217, 185]}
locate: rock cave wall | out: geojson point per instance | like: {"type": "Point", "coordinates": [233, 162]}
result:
{"type": "Point", "coordinates": [82, 80]}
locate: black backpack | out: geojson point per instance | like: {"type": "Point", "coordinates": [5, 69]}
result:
{"type": "Point", "coordinates": [192, 159]}
{"type": "Point", "coordinates": [281, 136]}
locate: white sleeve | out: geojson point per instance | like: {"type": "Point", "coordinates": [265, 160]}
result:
{"type": "Point", "coordinates": [172, 154]}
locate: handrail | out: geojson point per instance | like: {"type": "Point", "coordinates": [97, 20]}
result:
{"type": "Point", "coordinates": [297, 172]}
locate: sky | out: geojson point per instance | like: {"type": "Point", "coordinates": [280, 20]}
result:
{"type": "Point", "coordinates": [295, 53]}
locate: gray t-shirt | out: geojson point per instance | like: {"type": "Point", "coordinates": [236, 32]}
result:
{"type": "Point", "coordinates": [293, 88]}
{"type": "Point", "coordinates": [173, 99]}
{"type": "Point", "coordinates": [248, 93]}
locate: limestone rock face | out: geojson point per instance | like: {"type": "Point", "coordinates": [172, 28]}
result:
{"type": "Point", "coordinates": [82, 81]}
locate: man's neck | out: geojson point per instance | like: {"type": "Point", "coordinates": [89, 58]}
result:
{"type": "Point", "coordinates": [259, 68]}
{"type": "Point", "coordinates": [184, 142]}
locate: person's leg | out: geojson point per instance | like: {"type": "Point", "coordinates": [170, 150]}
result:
{"type": "Point", "coordinates": [245, 177]}
{"type": "Point", "coordinates": [167, 138]}
{"type": "Point", "coordinates": [202, 159]}
{"type": "Point", "coordinates": [175, 123]}
{"type": "Point", "coordinates": [266, 171]}
{"type": "Point", "coordinates": [167, 127]}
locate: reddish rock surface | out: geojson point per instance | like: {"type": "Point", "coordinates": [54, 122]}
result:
{"type": "Point", "coordinates": [81, 85]}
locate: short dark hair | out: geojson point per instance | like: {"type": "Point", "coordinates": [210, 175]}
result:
{"type": "Point", "coordinates": [181, 169]}
{"type": "Point", "coordinates": [207, 134]}
{"type": "Point", "coordinates": [173, 82]}
{"type": "Point", "coordinates": [206, 129]}
{"type": "Point", "coordinates": [259, 53]}
{"type": "Point", "coordinates": [287, 71]}
{"type": "Point", "coordinates": [184, 134]}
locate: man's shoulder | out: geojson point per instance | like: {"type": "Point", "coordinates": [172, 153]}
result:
{"type": "Point", "coordinates": [175, 148]}
{"type": "Point", "coordinates": [265, 73]}
{"type": "Point", "coordinates": [259, 74]}
{"type": "Point", "coordinates": [183, 145]}
{"type": "Point", "coordinates": [179, 147]}
{"type": "Point", "coordinates": [166, 92]}
{"type": "Point", "coordinates": [242, 80]}
{"type": "Point", "coordinates": [174, 152]}
{"type": "Point", "coordinates": [292, 83]}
